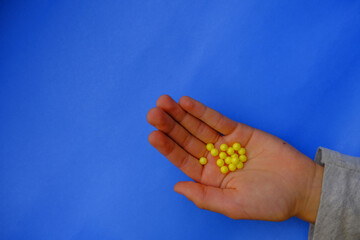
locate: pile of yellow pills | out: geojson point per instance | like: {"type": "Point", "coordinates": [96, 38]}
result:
{"type": "Point", "coordinates": [230, 157]}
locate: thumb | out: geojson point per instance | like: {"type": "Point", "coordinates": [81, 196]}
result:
{"type": "Point", "coordinates": [215, 199]}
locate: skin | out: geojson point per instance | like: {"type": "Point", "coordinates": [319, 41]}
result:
{"type": "Point", "coordinates": [276, 183]}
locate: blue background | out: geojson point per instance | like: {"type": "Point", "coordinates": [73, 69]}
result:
{"type": "Point", "coordinates": [78, 77]}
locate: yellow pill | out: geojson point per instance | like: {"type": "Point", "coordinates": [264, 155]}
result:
{"type": "Point", "coordinates": [240, 165]}
{"type": "Point", "coordinates": [243, 158]}
{"type": "Point", "coordinates": [235, 155]}
{"type": "Point", "coordinates": [224, 169]}
{"type": "Point", "coordinates": [235, 160]}
{"type": "Point", "coordinates": [242, 151]}
{"type": "Point", "coordinates": [220, 162]}
{"type": "Point", "coordinates": [232, 167]}
{"type": "Point", "coordinates": [214, 152]}
{"type": "Point", "coordinates": [230, 151]}
{"type": "Point", "coordinates": [202, 160]}
{"type": "Point", "coordinates": [228, 160]}
{"type": "Point", "coordinates": [223, 147]}
{"type": "Point", "coordinates": [209, 146]}
{"type": "Point", "coordinates": [236, 146]}
{"type": "Point", "coordinates": [222, 155]}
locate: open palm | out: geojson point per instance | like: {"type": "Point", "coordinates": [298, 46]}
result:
{"type": "Point", "coordinates": [276, 183]}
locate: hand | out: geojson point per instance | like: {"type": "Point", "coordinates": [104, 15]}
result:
{"type": "Point", "coordinates": [276, 183]}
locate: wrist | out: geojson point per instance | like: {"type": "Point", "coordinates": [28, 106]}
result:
{"type": "Point", "coordinates": [310, 201]}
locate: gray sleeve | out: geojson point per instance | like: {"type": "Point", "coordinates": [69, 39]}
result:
{"type": "Point", "coordinates": [339, 210]}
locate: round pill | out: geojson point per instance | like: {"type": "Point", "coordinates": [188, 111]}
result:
{"type": "Point", "coordinates": [242, 158]}
{"type": "Point", "coordinates": [209, 146]}
{"type": "Point", "coordinates": [214, 152]}
{"type": "Point", "coordinates": [235, 155]}
{"type": "Point", "coordinates": [241, 151]}
{"type": "Point", "coordinates": [220, 162]}
{"type": "Point", "coordinates": [235, 160]}
{"type": "Point", "coordinates": [223, 147]}
{"type": "Point", "coordinates": [224, 169]}
{"type": "Point", "coordinates": [236, 146]}
{"type": "Point", "coordinates": [230, 151]}
{"type": "Point", "coordinates": [240, 165]}
{"type": "Point", "coordinates": [222, 155]}
{"type": "Point", "coordinates": [228, 160]}
{"type": "Point", "coordinates": [202, 160]}
{"type": "Point", "coordinates": [232, 167]}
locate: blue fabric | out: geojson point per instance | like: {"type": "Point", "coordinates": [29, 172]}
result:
{"type": "Point", "coordinates": [78, 77]}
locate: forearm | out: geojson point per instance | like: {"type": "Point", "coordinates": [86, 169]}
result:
{"type": "Point", "coordinates": [309, 204]}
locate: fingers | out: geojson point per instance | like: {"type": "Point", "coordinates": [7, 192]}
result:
{"type": "Point", "coordinates": [211, 117]}
{"type": "Point", "coordinates": [162, 121]}
{"type": "Point", "coordinates": [207, 197]}
{"type": "Point", "coordinates": [196, 127]}
{"type": "Point", "coordinates": [177, 155]}
{"type": "Point", "coordinates": [239, 132]}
